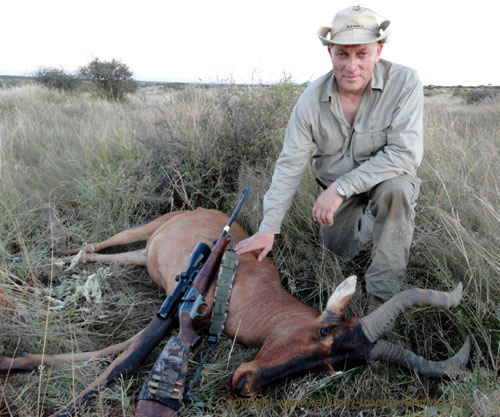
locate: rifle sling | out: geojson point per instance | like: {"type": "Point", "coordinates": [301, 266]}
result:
{"type": "Point", "coordinates": [227, 273]}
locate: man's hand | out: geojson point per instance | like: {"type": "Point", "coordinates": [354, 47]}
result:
{"type": "Point", "coordinates": [326, 205]}
{"type": "Point", "coordinates": [260, 240]}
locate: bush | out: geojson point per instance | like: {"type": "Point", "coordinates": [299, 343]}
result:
{"type": "Point", "coordinates": [477, 95]}
{"type": "Point", "coordinates": [208, 137]}
{"type": "Point", "coordinates": [113, 79]}
{"type": "Point", "coordinates": [56, 78]}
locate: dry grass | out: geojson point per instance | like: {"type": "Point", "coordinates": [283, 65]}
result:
{"type": "Point", "coordinates": [76, 169]}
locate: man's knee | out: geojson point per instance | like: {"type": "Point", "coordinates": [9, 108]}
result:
{"type": "Point", "coordinates": [398, 194]}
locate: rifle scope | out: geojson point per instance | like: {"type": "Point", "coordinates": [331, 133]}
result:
{"type": "Point", "coordinates": [198, 256]}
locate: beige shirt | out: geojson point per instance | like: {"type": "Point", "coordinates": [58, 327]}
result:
{"type": "Point", "coordinates": [385, 140]}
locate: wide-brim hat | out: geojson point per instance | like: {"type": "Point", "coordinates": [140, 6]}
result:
{"type": "Point", "coordinates": [355, 26]}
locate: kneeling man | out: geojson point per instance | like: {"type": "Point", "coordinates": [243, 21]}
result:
{"type": "Point", "coordinates": [363, 124]}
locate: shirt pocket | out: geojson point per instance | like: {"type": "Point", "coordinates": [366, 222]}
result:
{"type": "Point", "coordinates": [369, 138]}
{"type": "Point", "coordinates": [328, 138]}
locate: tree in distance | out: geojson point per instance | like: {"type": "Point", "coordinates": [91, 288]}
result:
{"type": "Point", "coordinates": [112, 79]}
{"type": "Point", "coordinates": [57, 78]}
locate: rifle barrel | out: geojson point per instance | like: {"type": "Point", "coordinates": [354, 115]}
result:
{"type": "Point", "coordinates": [246, 191]}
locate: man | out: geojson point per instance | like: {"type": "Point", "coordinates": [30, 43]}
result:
{"type": "Point", "coordinates": [363, 123]}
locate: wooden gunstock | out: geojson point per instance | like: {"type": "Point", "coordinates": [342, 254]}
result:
{"type": "Point", "coordinates": [207, 272]}
{"type": "Point", "coordinates": [150, 408]}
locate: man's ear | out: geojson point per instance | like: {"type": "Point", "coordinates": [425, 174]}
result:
{"type": "Point", "coordinates": [337, 303]}
{"type": "Point", "coordinates": [330, 51]}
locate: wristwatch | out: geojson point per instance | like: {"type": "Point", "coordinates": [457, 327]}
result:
{"type": "Point", "coordinates": [340, 190]}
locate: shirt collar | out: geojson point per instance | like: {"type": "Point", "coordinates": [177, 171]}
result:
{"type": "Point", "coordinates": [376, 83]}
{"type": "Point", "coordinates": [330, 88]}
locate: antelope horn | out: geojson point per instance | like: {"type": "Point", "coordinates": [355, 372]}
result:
{"type": "Point", "coordinates": [383, 318]}
{"type": "Point", "coordinates": [396, 354]}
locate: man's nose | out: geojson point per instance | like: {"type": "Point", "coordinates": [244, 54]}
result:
{"type": "Point", "coordinates": [351, 64]}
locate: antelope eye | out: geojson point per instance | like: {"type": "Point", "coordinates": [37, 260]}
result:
{"type": "Point", "coordinates": [323, 331]}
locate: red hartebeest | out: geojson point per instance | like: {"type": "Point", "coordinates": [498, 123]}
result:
{"type": "Point", "coordinates": [293, 337]}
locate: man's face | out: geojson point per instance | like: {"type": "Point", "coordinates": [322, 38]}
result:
{"type": "Point", "coordinates": [353, 65]}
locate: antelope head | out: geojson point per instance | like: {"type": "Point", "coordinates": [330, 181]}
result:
{"type": "Point", "coordinates": [328, 343]}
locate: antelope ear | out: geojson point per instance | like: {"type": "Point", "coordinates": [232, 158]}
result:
{"type": "Point", "coordinates": [337, 303]}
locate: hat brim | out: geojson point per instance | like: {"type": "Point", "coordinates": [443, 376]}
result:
{"type": "Point", "coordinates": [354, 36]}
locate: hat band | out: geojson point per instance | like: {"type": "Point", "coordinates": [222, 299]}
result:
{"type": "Point", "coordinates": [376, 33]}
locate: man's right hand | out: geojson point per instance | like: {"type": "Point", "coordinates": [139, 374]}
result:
{"type": "Point", "coordinates": [262, 241]}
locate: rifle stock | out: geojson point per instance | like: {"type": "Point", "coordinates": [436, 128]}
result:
{"type": "Point", "coordinates": [151, 409]}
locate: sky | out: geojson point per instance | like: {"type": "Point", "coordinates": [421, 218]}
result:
{"type": "Point", "coordinates": [448, 42]}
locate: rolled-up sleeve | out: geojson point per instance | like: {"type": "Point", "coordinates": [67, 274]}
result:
{"type": "Point", "coordinates": [288, 172]}
{"type": "Point", "coordinates": [404, 150]}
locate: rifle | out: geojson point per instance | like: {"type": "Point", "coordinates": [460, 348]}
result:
{"type": "Point", "coordinates": [162, 393]}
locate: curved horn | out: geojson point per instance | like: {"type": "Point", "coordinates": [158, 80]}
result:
{"type": "Point", "coordinates": [383, 318]}
{"type": "Point", "coordinates": [396, 354]}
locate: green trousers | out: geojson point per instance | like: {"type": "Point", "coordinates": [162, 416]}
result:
{"type": "Point", "coordinates": [384, 216]}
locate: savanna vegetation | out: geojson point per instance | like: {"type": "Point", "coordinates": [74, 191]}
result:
{"type": "Point", "coordinates": [75, 168]}
{"type": "Point", "coordinates": [111, 79]}
{"type": "Point", "coordinates": [57, 78]}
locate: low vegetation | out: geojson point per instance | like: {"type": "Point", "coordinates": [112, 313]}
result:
{"type": "Point", "coordinates": [477, 95]}
{"type": "Point", "coordinates": [57, 78]}
{"type": "Point", "coordinates": [75, 169]}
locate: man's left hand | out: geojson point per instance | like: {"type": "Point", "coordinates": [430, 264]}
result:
{"type": "Point", "coordinates": [326, 205]}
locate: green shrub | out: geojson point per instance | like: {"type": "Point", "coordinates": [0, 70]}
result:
{"type": "Point", "coordinates": [113, 79]}
{"type": "Point", "coordinates": [56, 78]}
{"type": "Point", "coordinates": [207, 138]}
{"type": "Point", "coordinates": [476, 95]}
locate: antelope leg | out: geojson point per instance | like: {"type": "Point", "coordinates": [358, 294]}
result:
{"type": "Point", "coordinates": [126, 362]}
{"type": "Point", "coordinates": [33, 361]}
{"type": "Point", "coordinates": [136, 257]}
{"type": "Point", "coordinates": [134, 234]}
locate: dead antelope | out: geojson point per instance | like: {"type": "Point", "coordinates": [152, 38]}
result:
{"type": "Point", "coordinates": [293, 337]}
